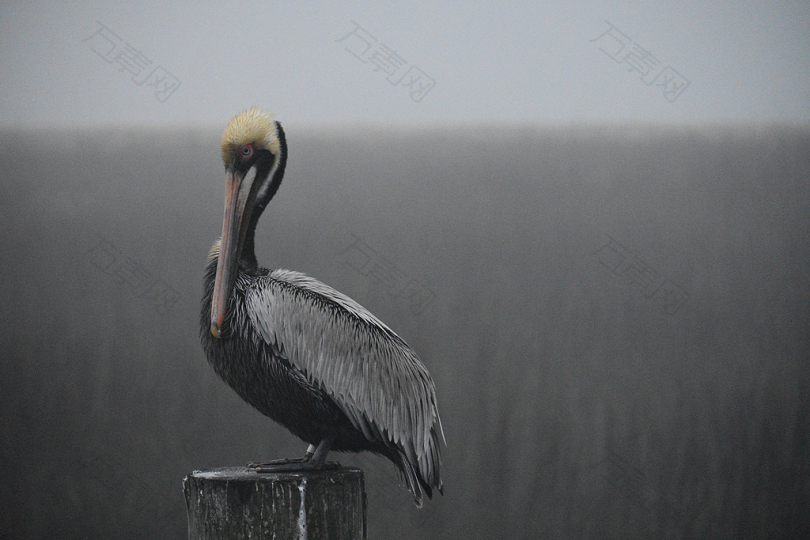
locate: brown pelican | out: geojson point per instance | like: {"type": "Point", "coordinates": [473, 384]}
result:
{"type": "Point", "coordinates": [300, 352]}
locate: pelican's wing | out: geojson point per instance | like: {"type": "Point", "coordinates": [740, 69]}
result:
{"type": "Point", "coordinates": [373, 376]}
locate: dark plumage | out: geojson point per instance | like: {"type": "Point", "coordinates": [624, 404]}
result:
{"type": "Point", "coordinates": [300, 352]}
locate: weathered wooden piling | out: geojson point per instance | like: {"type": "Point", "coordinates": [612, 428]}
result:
{"type": "Point", "coordinates": [238, 503]}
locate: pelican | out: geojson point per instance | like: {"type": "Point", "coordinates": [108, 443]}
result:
{"type": "Point", "coordinates": [300, 352]}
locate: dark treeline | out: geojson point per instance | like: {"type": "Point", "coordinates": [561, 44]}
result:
{"type": "Point", "coordinates": [616, 319]}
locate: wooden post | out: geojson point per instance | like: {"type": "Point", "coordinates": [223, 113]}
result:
{"type": "Point", "coordinates": [237, 503]}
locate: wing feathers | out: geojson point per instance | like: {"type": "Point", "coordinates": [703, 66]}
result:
{"type": "Point", "coordinates": [373, 376]}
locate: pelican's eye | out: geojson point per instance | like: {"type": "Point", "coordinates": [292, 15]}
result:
{"type": "Point", "coordinates": [247, 151]}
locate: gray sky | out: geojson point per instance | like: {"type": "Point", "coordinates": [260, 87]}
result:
{"type": "Point", "coordinates": [452, 62]}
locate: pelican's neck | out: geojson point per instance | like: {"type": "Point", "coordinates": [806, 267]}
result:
{"type": "Point", "coordinates": [247, 260]}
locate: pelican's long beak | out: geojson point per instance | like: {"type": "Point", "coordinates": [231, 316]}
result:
{"type": "Point", "coordinates": [239, 199]}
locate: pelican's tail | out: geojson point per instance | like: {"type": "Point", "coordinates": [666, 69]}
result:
{"type": "Point", "coordinates": [421, 474]}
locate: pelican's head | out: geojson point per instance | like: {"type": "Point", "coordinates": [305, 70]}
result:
{"type": "Point", "coordinates": [254, 155]}
{"type": "Point", "coordinates": [254, 129]}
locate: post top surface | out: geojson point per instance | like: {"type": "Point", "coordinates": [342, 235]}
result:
{"type": "Point", "coordinates": [249, 474]}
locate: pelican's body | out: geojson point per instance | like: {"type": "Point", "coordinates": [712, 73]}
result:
{"type": "Point", "coordinates": [300, 352]}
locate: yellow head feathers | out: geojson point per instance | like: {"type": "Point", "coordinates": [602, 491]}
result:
{"type": "Point", "coordinates": [251, 126]}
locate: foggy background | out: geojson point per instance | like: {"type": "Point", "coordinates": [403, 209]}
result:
{"type": "Point", "coordinates": [591, 222]}
{"type": "Point", "coordinates": [744, 62]}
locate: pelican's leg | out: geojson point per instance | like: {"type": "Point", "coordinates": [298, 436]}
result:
{"type": "Point", "coordinates": [315, 458]}
{"type": "Point", "coordinates": [318, 458]}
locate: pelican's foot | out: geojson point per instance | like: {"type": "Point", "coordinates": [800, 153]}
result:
{"type": "Point", "coordinates": [292, 465]}
{"type": "Point", "coordinates": [313, 460]}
